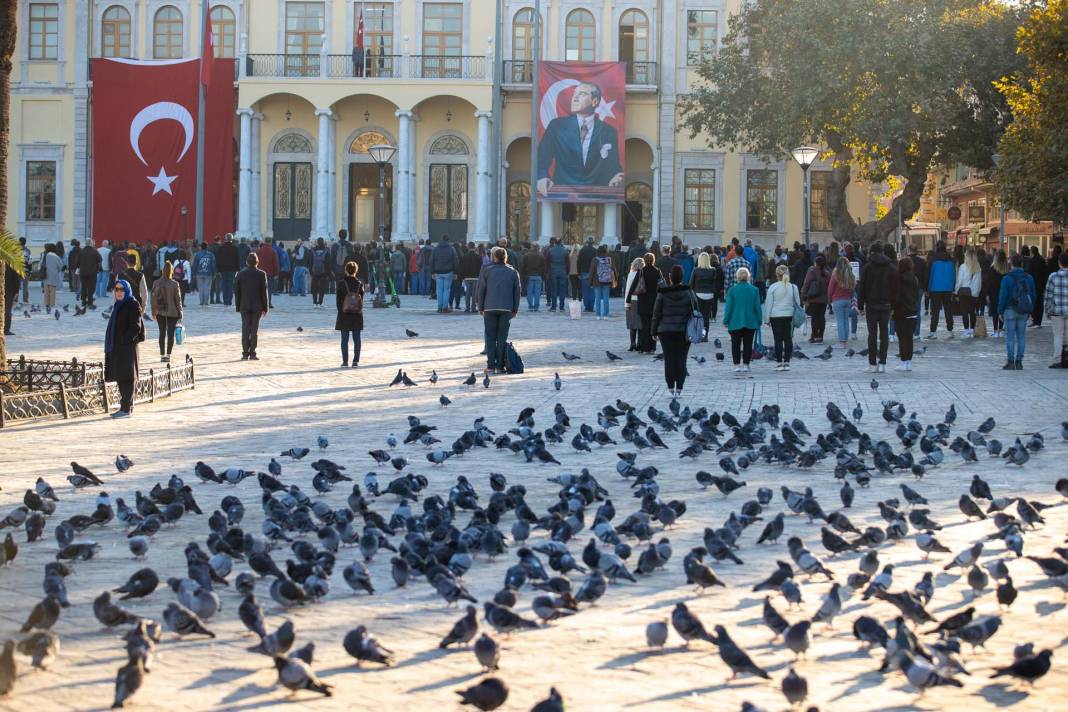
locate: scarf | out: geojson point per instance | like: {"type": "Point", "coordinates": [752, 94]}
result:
{"type": "Point", "coordinates": [109, 335]}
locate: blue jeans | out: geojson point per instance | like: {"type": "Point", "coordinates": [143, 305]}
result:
{"type": "Point", "coordinates": [425, 282]}
{"type": "Point", "coordinates": [496, 323]}
{"type": "Point", "coordinates": [355, 346]}
{"type": "Point", "coordinates": [102, 283]}
{"type": "Point", "coordinates": [841, 317]}
{"type": "Point", "coordinates": [587, 294]}
{"type": "Point", "coordinates": [398, 280]}
{"type": "Point", "coordinates": [1015, 333]}
{"type": "Point", "coordinates": [558, 281]}
{"type": "Point", "coordinates": [600, 293]}
{"type": "Point", "coordinates": [228, 287]}
{"type": "Point", "coordinates": [443, 283]}
{"type": "Point", "coordinates": [300, 281]}
{"type": "Point", "coordinates": [272, 286]}
{"type": "Point", "coordinates": [534, 292]}
{"type": "Point", "coordinates": [417, 283]}
{"type": "Point", "coordinates": [468, 287]}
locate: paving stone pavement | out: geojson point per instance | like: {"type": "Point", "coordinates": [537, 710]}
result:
{"type": "Point", "coordinates": [242, 413]}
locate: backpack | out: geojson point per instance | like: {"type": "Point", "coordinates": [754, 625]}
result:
{"type": "Point", "coordinates": [179, 271]}
{"type": "Point", "coordinates": [318, 262]}
{"type": "Point", "coordinates": [512, 360]}
{"type": "Point", "coordinates": [352, 303]}
{"type": "Point", "coordinates": [1020, 300]}
{"type": "Point", "coordinates": [604, 270]}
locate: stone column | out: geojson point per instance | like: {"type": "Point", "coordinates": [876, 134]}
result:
{"type": "Point", "coordinates": [255, 220]}
{"type": "Point", "coordinates": [545, 221]}
{"type": "Point", "coordinates": [413, 181]}
{"type": "Point", "coordinates": [322, 176]}
{"type": "Point", "coordinates": [402, 229]}
{"type": "Point", "coordinates": [244, 180]}
{"type": "Point", "coordinates": [482, 183]}
{"type": "Point", "coordinates": [331, 203]}
{"type": "Point", "coordinates": [611, 225]}
{"type": "Point", "coordinates": [655, 218]}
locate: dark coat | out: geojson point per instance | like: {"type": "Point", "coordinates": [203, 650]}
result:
{"type": "Point", "coordinates": [470, 265]}
{"type": "Point", "coordinates": [226, 258]}
{"type": "Point", "coordinates": [908, 296]}
{"type": "Point", "coordinates": [822, 278]}
{"type": "Point", "coordinates": [646, 301]}
{"type": "Point", "coordinates": [673, 308]}
{"type": "Point", "coordinates": [347, 322]}
{"type": "Point", "coordinates": [707, 280]}
{"type": "Point", "coordinates": [878, 282]}
{"type": "Point", "coordinates": [560, 147]}
{"type": "Point", "coordinates": [89, 261]}
{"type": "Point", "coordinates": [121, 364]}
{"type": "Point", "coordinates": [250, 290]}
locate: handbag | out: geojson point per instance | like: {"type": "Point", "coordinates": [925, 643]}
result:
{"type": "Point", "coordinates": [799, 316]}
{"type": "Point", "coordinates": [352, 303]}
{"type": "Point", "coordinates": [574, 309]}
{"type": "Point", "coordinates": [179, 333]}
{"type": "Point", "coordinates": [695, 327]}
{"type": "Point", "coordinates": [979, 331]}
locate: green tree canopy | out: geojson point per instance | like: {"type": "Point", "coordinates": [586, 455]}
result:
{"type": "Point", "coordinates": [1032, 173]}
{"type": "Point", "coordinates": [888, 87]}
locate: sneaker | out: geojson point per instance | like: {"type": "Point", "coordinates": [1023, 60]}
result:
{"type": "Point", "coordinates": [931, 336]}
{"type": "Point", "coordinates": [786, 366]}
{"type": "Point", "coordinates": [778, 367]}
{"type": "Point", "coordinates": [746, 368]}
{"type": "Point", "coordinates": [903, 366]}
{"type": "Point", "coordinates": [354, 365]}
{"type": "Point", "coordinates": [881, 368]}
{"type": "Point", "coordinates": [121, 414]}
{"type": "Point", "coordinates": [949, 336]}
{"type": "Point", "coordinates": [244, 357]}
{"type": "Point", "coordinates": [873, 368]}
{"type": "Point", "coordinates": [737, 369]}
{"type": "Point", "coordinates": [1019, 364]}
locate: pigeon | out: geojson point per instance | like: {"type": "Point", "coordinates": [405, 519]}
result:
{"type": "Point", "coordinates": [128, 681]}
{"type": "Point", "coordinates": [556, 381]}
{"type": "Point", "coordinates": [274, 644]}
{"type": "Point", "coordinates": [295, 674]}
{"type": "Point", "coordinates": [489, 694]}
{"type": "Point", "coordinates": [688, 625]}
{"type": "Point", "coordinates": [553, 703]}
{"type": "Point", "coordinates": [874, 385]}
{"type": "Point", "coordinates": [656, 634]}
{"type": "Point", "coordinates": [922, 676]}
{"type": "Point", "coordinates": [296, 453]}
{"type": "Point", "coordinates": [470, 380]}
{"type": "Point", "coordinates": [361, 645]}
{"type": "Point", "coordinates": [487, 652]}
{"type": "Point", "coordinates": [397, 379]}
{"type": "Point", "coordinates": [84, 474]}
{"type": "Point", "coordinates": [570, 357]}
{"type": "Point", "coordinates": [406, 381]}
{"type": "Point", "coordinates": [486, 380]}
{"type": "Point", "coordinates": [444, 401]}
{"type": "Point", "coordinates": [183, 621]}
{"type": "Point", "coordinates": [736, 658]}
{"type": "Point", "coordinates": [322, 442]}
{"type": "Point", "coordinates": [140, 584]}
{"type": "Point", "coordinates": [1029, 667]}
{"type": "Point", "coordinates": [123, 463]}
{"type": "Point", "coordinates": [612, 357]}
{"type": "Point", "coordinates": [463, 631]}
{"type": "Point", "coordinates": [794, 688]}
{"type": "Point", "coordinates": [110, 614]}
{"type": "Point", "coordinates": [41, 646]}
{"type": "Point", "coordinates": [411, 334]}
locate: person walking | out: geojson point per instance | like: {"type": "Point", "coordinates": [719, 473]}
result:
{"type": "Point", "coordinates": [252, 301]}
{"type": "Point", "coordinates": [602, 278]}
{"type": "Point", "coordinates": [137, 281]}
{"type": "Point", "coordinates": [967, 288]}
{"type": "Point", "coordinates": [1055, 305]}
{"type": "Point", "coordinates": [443, 263]}
{"type": "Point", "coordinates": [675, 304]}
{"type": "Point", "coordinates": [814, 291]}
{"type": "Point", "coordinates": [470, 268]}
{"type": "Point", "coordinates": [349, 301]}
{"type": "Point", "coordinates": [398, 268]}
{"type": "Point", "coordinates": [779, 304]}
{"type": "Point", "coordinates": [1016, 299]}
{"type": "Point", "coordinates": [301, 262]}
{"type": "Point", "coordinates": [497, 296]}
{"type": "Point", "coordinates": [533, 269]}
{"type": "Point", "coordinates": [706, 283]}
{"type": "Point", "coordinates": [166, 309]}
{"type": "Point", "coordinates": [741, 316]}
{"type": "Point", "coordinates": [634, 283]}
{"type": "Point", "coordinates": [646, 301]}
{"type": "Point", "coordinates": [204, 267]}
{"type": "Point", "coordinates": [124, 332]}
{"type": "Point", "coordinates": [876, 295]}
{"type": "Point", "coordinates": [906, 311]}
{"type": "Point", "coordinates": [840, 290]}
{"type": "Point", "coordinates": [89, 266]}
{"type": "Point", "coordinates": [992, 277]}
{"type": "Point", "coordinates": [941, 274]}
{"type": "Point", "coordinates": [53, 276]}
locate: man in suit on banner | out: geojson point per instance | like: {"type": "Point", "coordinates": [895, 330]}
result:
{"type": "Point", "coordinates": [583, 149]}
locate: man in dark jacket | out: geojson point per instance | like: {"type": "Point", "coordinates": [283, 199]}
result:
{"type": "Point", "coordinates": [941, 279]}
{"type": "Point", "coordinates": [470, 267]}
{"type": "Point", "coordinates": [89, 264]}
{"type": "Point", "coordinates": [533, 270]}
{"type": "Point", "coordinates": [227, 261]}
{"type": "Point", "coordinates": [443, 263]}
{"type": "Point", "coordinates": [876, 295]}
{"type": "Point", "coordinates": [497, 296]}
{"type": "Point", "coordinates": [557, 259]}
{"type": "Point", "coordinates": [585, 256]}
{"type": "Point", "coordinates": [253, 302]}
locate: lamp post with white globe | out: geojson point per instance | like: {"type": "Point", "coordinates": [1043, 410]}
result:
{"type": "Point", "coordinates": [381, 154]}
{"type": "Point", "coordinates": [805, 156]}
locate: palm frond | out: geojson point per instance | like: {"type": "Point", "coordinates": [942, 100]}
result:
{"type": "Point", "coordinates": [11, 252]}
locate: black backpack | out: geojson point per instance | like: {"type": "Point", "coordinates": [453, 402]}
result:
{"type": "Point", "coordinates": [512, 360]}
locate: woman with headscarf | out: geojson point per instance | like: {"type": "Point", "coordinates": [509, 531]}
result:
{"type": "Point", "coordinates": [124, 332]}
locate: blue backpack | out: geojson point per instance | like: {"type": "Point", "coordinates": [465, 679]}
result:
{"type": "Point", "coordinates": [512, 360]}
{"type": "Point", "coordinates": [1021, 300]}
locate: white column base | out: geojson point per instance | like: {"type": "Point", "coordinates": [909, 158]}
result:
{"type": "Point", "coordinates": [545, 222]}
{"type": "Point", "coordinates": [611, 225]}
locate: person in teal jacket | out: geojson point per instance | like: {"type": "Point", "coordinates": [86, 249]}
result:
{"type": "Point", "coordinates": [742, 316]}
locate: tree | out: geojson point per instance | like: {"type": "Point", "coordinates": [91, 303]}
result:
{"type": "Point", "coordinates": [9, 249]}
{"type": "Point", "coordinates": [1032, 174]}
{"type": "Point", "coordinates": [887, 87]}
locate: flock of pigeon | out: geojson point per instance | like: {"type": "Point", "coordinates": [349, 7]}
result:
{"type": "Point", "coordinates": [563, 558]}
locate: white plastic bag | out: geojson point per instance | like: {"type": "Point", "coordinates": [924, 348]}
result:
{"type": "Point", "coordinates": [574, 309]}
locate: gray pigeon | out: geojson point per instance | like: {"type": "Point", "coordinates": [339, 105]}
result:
{"type": "Point", "coordinates": [688, 625]}
{"type": "Point", "coordinates": [464, 630]}
{"type": "Point", "coordinates": [656, 634]}
{"type": "Point", "coordinates": [488, 652]}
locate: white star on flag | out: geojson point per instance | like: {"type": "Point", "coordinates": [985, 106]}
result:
{"type": "Point", "coordinates": [161, 182]}
{"type": "Point", "coordinates": [604, 110]}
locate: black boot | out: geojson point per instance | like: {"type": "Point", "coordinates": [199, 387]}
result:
{"type": "Point", "coordinates": [1019, 364]}
{"type": "Point", "coordinates": [1009, 366]}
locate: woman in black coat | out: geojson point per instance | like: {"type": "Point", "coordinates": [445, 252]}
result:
{"type": "Point", "coordinates": [646, 300]}
{"type": "Point", "coordinates": [675, 304]}
{"type": "Point", "coordinates": [349, 314]}
{"type": "Point", "coordinates": [124, 332]}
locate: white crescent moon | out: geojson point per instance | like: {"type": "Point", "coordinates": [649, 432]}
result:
{"type": "Point", "coordinates": [547, 110]}
{"type": "Point", "coordinates": [158, 112]}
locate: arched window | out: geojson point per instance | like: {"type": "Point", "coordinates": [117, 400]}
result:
{"type": "Point", "coordinates": [522, 46]}
{"type": "Point", "coordinates": [293, 143]}
{"type": "Point", "coordinates": [519, 211]}
{"type": "Point", "coordinates": [115, 32]}
{"type": "Point", "coordinates": [364, 141]}
{"type": "Point", "coordinates": [642, 194]}
{"type": "Point", "coordinates": [167, 33]}
{"type": "Point", "coordinates": [581, 32]}
{"type": "Point", "coordinates": [449, 146]}
{"type": "Point", "coordinates": [223, 31]}
{"type": "Point", "coordinates": [634, 45]}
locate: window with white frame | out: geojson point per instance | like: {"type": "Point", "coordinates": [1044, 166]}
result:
{"type": "Point", "coordinates": [40, 191]}
{"type": "Point", "coordinates": [580, 36]}
{"type": "Point", "coordinates": [762, 200]}
{"type": "Point", "coordinates": [43, 31]}
{"type": "Point", "coordinates": [702, 35]}
{"type": "Point", "coordinates": [699, 203]}
{"type": "Point", "coordinates": [115, 29]}
{"type": "Point", "coordinates": [167, 33]}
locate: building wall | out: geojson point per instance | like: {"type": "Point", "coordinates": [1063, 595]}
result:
{"type": "Point", "coordinates": [51, 115]}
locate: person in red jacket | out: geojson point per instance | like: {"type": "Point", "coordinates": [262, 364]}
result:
{"type": "Point", "coordinates": [269, 264]}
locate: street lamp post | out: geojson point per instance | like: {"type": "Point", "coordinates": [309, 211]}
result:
{"type": "Point", "coordinates": [805, 156]}
{"type": "Point", "coordinates": [185, 224]}
{"type": "Point", "coordinates": [1001, 212]}
{"type": "Point", "coordinates": [381, 154]}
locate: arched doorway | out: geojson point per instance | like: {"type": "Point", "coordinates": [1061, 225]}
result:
{"type": "Point", "coordinates": [292, 181]}
{"type": "Point", "coordinates": [448, 200]}
{"type": "Point", "coordinates": [519, 212]}
{"type": "Point", "coordinates": [363, 209]}
{"type": "Point", "coordinates": [638, 213]}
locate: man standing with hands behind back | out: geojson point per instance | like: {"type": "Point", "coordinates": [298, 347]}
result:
{"type": "Point", "coordinates": [252, 300]}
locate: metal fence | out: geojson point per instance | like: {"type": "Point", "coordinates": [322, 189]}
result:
{"type": "Point", "coordinates": [28, 375]}
{"type": "Point", "coordinates": [436, 66]}
{"type": "Point", "coordinates": [521, 71]}
{"type": "Point", "coordinates": [379, 66]}
{"type": "Point", "coordinates": [93, 396]}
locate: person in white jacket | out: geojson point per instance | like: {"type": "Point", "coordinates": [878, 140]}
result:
{"type": "Point", "coordinates": [779, 306]}
{"type": "Point", "coordinates": [969, 282]}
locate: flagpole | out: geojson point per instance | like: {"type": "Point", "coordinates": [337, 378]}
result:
{"type": "Point", "coordinates": [198, 232]}
{"type": "Point", "coordinates": [535, 236]}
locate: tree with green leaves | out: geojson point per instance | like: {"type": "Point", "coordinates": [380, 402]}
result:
{"type": "Point", "coordinates": [10, 253]}
{"type": "Point", "coordinates": [886, 87]}
{"type": "Point", "coordinates": [1032, 173]}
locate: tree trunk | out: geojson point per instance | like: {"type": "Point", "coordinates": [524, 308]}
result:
{"type": "Point", "coordinates": [8, 32]}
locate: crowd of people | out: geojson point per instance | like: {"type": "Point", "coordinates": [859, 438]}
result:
{"type": "Point", "coordinates": [662, 287]}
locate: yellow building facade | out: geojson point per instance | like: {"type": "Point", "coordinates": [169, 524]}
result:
{"type": "Point", "coordinates": [308, 107]}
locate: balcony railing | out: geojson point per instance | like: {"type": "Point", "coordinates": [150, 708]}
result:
{"type": "Point", "coordinates": [521, 71]}
{"type": "Point", "coordinates": [427, 66]}
{"type": "Point", "coordinates": [282, 65]}
{"type": "Point", "coordinates": [379, 66]}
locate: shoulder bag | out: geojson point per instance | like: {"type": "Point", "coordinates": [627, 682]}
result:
{"type": "Point", "coordinates": [695, 327]}
{"type": "Point", "coordinates": [799, 316]}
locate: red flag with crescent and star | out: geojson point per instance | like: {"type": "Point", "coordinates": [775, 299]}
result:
{"type": "Point", "coordinates": [144, 132]}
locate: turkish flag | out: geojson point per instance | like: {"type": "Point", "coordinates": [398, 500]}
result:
{"type": "Point", "coordinates": [144, 150]}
